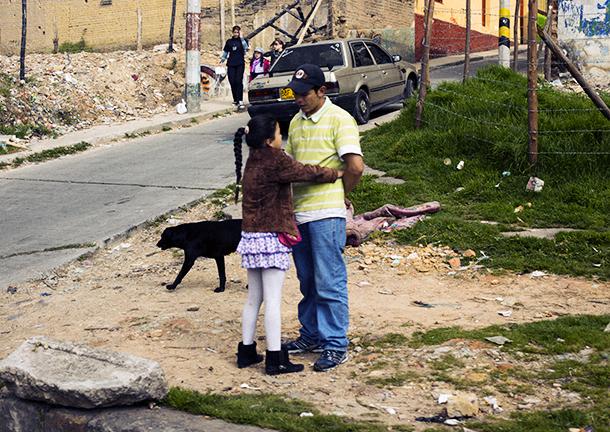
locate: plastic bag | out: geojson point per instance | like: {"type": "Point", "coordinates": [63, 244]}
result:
{"type": "Point", "coordinates": [181, 107]}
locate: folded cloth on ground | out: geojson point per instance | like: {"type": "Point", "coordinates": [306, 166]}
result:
{"type": "Point", "coordinates": [387, 218]}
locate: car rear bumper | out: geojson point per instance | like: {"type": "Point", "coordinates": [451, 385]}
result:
{"type": "Point", "coordinates": [285, 111]}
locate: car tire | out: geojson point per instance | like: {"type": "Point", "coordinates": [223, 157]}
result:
{"type": "Point", "coordinates": [409, 88]}
{"type": "Point", "coordinates": [362, 108]}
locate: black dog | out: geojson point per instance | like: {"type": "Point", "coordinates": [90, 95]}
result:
{"type": "Point", "coordinates": [207, 239]}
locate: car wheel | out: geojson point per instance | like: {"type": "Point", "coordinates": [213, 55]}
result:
{"type": "Point", "coordinates": [409, 88]}
{"type": "Point", "coordinates": [362, 108]}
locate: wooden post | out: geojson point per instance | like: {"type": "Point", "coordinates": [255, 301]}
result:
{"type": "Point", "coordinates": [232, 13]}
{"type": "Point", "coordinates": [272, 20]}
{"type": "Point", "coordinates": [532, 83]}
{"type": "Point", "coordinates": [599, 103]}
{"type": "Point", "coordinates": [309, 20]}
{"type": "Point", "coordinates": [547, 51]}
{"type": "Point", "coordinates": [24, 32]}
{"type": "Point", "coordinates": [425, 72]}
{"type": "Point", "coordinates": [170, 48]}
{"type": "Point", "coordinates": [467, 47]}
{"type": "Point", "coordinates": [222, 23]}
{"type": "Point", "coordinates": [139, 42]}
{"type": "Point", "coordinates": [516, 36]}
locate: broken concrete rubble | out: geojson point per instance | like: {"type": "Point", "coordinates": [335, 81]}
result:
{"type": "Point", "coordinates": [78, 376]}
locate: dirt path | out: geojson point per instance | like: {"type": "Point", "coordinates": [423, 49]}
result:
{"type": "Point", "coordinates": [116, 300]}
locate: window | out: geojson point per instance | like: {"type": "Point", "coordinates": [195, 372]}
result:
{"type": "Point", "coordinates": [362, 57]}
{"type": "Point", "coordinates": [381, 57]}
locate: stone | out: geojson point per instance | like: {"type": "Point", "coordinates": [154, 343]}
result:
{"type": "Point", "coordinates": [17, 414]}
{"type": "Point", "coordinates": [78, 376]}
{"type": "Point", "coordinates": [462, 405]}
{"type": "Point", "coordinates": [455, 263]}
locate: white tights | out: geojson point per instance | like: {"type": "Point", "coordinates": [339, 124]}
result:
{"type": "Point", "coordinates": [264, 284]}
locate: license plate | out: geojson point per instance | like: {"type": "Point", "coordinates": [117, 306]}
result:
{"type": "Point", "coordinates": [286, 93]}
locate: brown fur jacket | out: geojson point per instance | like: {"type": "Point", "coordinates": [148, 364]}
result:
{"type": "Point", "coordinates": [267, 199]}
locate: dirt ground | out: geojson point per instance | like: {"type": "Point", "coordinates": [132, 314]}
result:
{"type": "Point", "coordinates": [116, 300]}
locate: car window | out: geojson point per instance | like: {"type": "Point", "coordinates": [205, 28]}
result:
{"type": "Point", "coordinates": [326, 56]}
{"type": "Point", "coordinates": [362, 57]}
{"type": "Point", "coordinates": [381, 57]}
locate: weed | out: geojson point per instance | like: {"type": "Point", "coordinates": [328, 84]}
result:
{"type": "Point", "coordinates": [53, 153]}
{"type": "Point", "coordinates": [194, 120]}
{"type": "Point", "coordinates": [166, 128]}
{"type": "Point", "coordinates": [69, 47]}
{"type": "Point", "coordinates": [265, 410]}
{"type": "Point", "coordinates": [576, 193]}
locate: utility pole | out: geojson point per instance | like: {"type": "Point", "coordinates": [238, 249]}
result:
{"type": "Point", "coordinates": [24, 32]}
{"type": "Point", "coordinates": [532, 83]}
{"type": "Point", "coordinates": [170, 48]}
{"type": "Point", "coordinates": [193, 59]}
{"type": "Point", "coordinates": [504, 40]}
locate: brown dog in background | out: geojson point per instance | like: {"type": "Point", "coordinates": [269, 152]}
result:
{"type": "Point", "coordinates": [209, 239]}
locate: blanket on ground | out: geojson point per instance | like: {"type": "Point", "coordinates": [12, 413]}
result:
{"type": "Point", "coordinates": [387, 218]}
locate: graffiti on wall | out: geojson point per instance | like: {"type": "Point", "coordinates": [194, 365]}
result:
{"type": "Point", "coordinates": [588, 18]}
{"type": "Point", "coordinates": [371, 34]}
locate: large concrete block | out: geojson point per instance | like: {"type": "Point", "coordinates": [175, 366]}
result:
{"type": "Point", "coordinates": [78, 376]}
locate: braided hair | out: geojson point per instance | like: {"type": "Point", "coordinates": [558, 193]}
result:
{"type": "Point", "coordinates": [259, 129]}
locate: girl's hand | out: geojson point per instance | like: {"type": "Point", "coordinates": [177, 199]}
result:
{"type": "Point", "coordinates": [241, 34]}
{"type": "Point", "coordinates": [340, 173]}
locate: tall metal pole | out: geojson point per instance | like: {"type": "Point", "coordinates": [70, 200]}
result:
{"type": "Point", "coordinates": [170, 48]}
{"type": "Point", "coordinates": [532, 83]}
{"type": "Point", "coordinates": [24, 32]}
{"type": "Point", "coordinates": [193, 59]}
{"type": "Point", "coordinates": [504, 40]}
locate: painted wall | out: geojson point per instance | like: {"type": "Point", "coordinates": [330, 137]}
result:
{"type": "Point", "coordinates": [395, 41]}
{"type": "Point", "coordinates": [583, 31]}
{"type": "Point", "coordinates": [106, 25]}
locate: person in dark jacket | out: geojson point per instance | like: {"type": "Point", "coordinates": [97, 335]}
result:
{"type": "Point", "coordinates": [278, 47]}
{"type": "Point", "coordinates": [235, 49]}
{"type": "Point", "coordinates": [268, 231]}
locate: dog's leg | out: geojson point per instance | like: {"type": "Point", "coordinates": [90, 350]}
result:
{"type": "Point", "coordinates": [188, 264]}
{"type": "Point", "coordinates": [220, 263]}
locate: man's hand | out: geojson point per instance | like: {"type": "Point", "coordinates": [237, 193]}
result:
{"type": "Point", "coordinates": [353, 171]}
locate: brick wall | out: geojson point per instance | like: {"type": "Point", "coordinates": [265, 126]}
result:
{"type": "Point", "coordinates": [449, 39]}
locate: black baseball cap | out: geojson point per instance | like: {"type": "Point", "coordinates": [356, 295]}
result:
{"type": "Point", "coordinates": [306, 77]}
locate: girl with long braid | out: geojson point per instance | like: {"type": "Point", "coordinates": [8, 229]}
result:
{"type": "Point", "coordinates": [268, 230]}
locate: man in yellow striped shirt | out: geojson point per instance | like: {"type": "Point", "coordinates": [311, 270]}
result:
{"type": "Point", "coordinates": [321, 133]}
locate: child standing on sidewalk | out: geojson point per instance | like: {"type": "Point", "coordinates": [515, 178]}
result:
{"type": "Point", "coordinates": [267, 221]}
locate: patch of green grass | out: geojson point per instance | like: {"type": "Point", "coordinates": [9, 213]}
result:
{"type": "Point", "coordinates": [563, 335]}
{"type": "Point", "coordinates": [53, 153]}
{"type": "Point", "coordinates": [576, 193]}
{"type": "Point", "coordinates": [69, 47]}
{"type": "Point", "coordinates": [448, 361]}
{"type": "Point", "coordinates": [166, 128]}
{"type": "Point", "coordinates": [265, 410]}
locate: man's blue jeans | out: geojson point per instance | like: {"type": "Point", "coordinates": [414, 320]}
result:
{"type": "Point", "coordinates": [323, 311]}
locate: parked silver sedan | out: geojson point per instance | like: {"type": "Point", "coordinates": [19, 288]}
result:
{"type": "Point", "coordinates": [360, 77]}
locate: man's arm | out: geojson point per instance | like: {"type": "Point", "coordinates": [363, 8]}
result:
{"type": "Point", "coordinates": [353, 171]}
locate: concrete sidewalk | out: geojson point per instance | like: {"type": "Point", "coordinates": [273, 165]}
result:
{"type": "Point", "coordinates": [116, 131]}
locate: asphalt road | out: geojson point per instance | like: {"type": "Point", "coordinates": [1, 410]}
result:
{"type": "Point", "coordinates": [102, 194]}
{"type": "Point", "coordinates": [95, 196]}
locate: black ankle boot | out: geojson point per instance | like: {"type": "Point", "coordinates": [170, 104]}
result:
{"type": "Point", "coordinates": [246, 355]}
{"type": "Point", "coordinates": [278, 363]}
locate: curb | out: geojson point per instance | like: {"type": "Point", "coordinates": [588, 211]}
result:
{"type": "Point", "coordinates": [104, 137]}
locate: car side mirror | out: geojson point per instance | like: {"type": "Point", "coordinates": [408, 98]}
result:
{"type": "Point", "coordinates": [396, 58]}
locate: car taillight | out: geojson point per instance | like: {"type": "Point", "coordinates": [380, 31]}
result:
{"type": "Point", "coordinates": [262, 95]}
{"type": "Point", "coordinates": [332, 87]}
